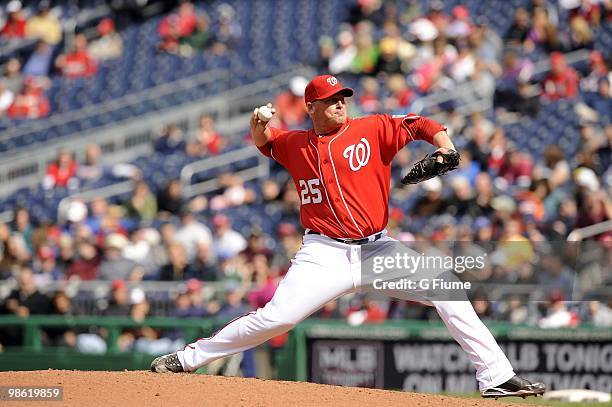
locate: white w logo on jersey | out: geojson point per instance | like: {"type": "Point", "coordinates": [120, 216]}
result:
{"type": "Point", "coordinates": [358, 155]}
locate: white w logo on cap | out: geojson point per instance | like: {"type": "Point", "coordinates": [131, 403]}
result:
{"type": "Point", "coordinates": [332, 80]}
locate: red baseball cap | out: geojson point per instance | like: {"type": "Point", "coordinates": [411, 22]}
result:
{"type": "Point", "coordinates": [596, 57]}
{"type": "Point", "coordinates": [324, 86]}
{"type": "Point", "coordinates": [118, 284]}
{"type": "Point", "coordinates": [46, 253]}
{"type": "Point", "coordinates": [286, 229]}
{"type": "Point", "coordinates": [193, 284]}
{"type": "Point", "coordinates": [106, 26]}
{"type": "Point", "coordinates": [220, 220]}
{"type": "Point", "coordinates": [557, 58]}
{"type": "Point", "coordinates": [460, 12]}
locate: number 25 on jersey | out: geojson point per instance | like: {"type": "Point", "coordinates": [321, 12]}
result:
{"type": "Point", "coordinates": [309, 191]}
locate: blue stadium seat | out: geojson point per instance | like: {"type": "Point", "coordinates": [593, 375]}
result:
{"type": "Point", "coordinates": [295, 32]}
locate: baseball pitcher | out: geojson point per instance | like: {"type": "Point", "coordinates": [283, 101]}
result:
{"type": "Point", "coordinates": [342, 169]}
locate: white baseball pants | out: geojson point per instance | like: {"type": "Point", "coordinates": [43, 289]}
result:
{"type": "Point", "coordinates": [324, 270]}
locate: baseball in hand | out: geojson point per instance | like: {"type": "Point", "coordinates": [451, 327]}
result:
{"type": "Point", "coordinates": [264, 113]}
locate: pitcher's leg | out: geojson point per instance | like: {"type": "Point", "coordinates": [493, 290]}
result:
{"type": "Point", "coordinates": [239, 335]}
{"type": "Point", "coordinates": [305, 289]}
{"type": "Point", "coordinates": [492, 366]}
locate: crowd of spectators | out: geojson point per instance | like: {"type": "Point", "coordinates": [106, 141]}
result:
{"type": "Point", "coordinates": [27, 76]}
{"type": "Point", "coordinates": [188, 30]}
{"type": "Point", "coordinates": [401, 53]}
{"type": "Point", "coordinates": [58, 52]}
{"type": "Point", "coordinates": [161, 236]}
{"type": "Point", "coordinates": [204, 142]}
{"type": "Point", "coordinates": [499, 193]}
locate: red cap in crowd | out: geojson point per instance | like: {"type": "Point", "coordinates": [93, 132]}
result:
{"type": "Point", "coordinates": [193, 285]}
{"type": "Point", "coordinates": [220, 220]}
{"type": "Point", "coordinates": [556, 296]}
{"type": "Point", "coordinates": [118, 284]}
{"type": "Point", "coordinates": [596, 57]}
{"type": "Point", "coordinates": [460, 12]}
{"type": "Point", "coordinates": [106, 26]}
{"type": "Point", "coordinates": [323, 87]}
{"type": "Point", "coordinates": [46, 253]}
{"type": "Point", "coordinates": [286, 229]}
{"type": "Point", "coordinates": [557, 58]}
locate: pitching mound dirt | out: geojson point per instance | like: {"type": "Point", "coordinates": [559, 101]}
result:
{"type": "Point", "coordinates": [92, 389]}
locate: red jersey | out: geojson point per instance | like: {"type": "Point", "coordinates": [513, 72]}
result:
{"type": "Point", "coordinates": [561, 86]}
{"type": "Point", "coordinates": [33, 104]}
{"type": "Point", "coordinates": [291, 108]}
{"type": "Point", "coordinates": [60, 175]}
{"type": "Point", "coordinates": [344, 178]}
{"type": "Point", "coordinates": [78, 64]}
{"type": "Point", "coordinates": [15, 28]}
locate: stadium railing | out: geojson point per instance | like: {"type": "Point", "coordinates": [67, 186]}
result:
{"type": "Point", "coordinates": [69, 25]}
{"type": "Point", "coordinates": [133, 137]}
{"type": "Point", "coordinates": [91, 297]}
{"type": "Point", "coordinates": [6, 216]}
{"type": "Point", "coordinates": [123, 102]}
{"type": "Point", "coordinates": [261, 170]}
{"type": "Point", "coordinates": [34, 325]}
{"type": "Point", "coordinates": [88, 196]}
{"type": "Point", "coordinates": [589, 231]}
{"type": "Point", "coordinates": [295, 359]}
{"type": "Point", "coordinates": [125, 140]}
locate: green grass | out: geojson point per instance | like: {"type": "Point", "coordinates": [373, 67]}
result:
{"type": "Point", "coordinates": [542, 402]}
{"type": "Point", "coordinates": [534, 401]}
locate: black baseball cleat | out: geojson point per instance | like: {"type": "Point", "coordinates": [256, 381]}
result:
{"type": "Point", "coordinates": [515, 387]}
{"type": "Point", "coordinates": [167, 363]}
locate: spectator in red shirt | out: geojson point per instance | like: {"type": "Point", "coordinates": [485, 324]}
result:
{"type": "Point", "coordinates": [498, 150]}
{"type": "Point", "coordinates": [170, 34]}
{"type": "Point", "coordinates": [517, 169]}
{"type": "Point", "coordinates": [30, 103]}
{"type": "Point", "coordinates": [266, 283]}
{"type": "Point", "coordinates": [562, 81]}
{"type": "Point", "coordinates": [78, 63]}
{"type": "Point", "coordinates": [188, 20]}
{"type": "Point", "coordinates": [87, 263]}
{"type": "Point", "coordinates": [365, 311]}
{"type": "Point", "coordinates": [290, 106]}
{"type": "Point", "coordinates": [176, 26]}
{"type": "Point", "coordinates": [60, 172]}
{"type": "Point", "coordinates": [369, 102]}
{"type": "Point", "coordinates": [400, 95]}
{"type": "Point", "coordinates": [15, 26]}
{"type": "Point", "coordinates": [207, 140]}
